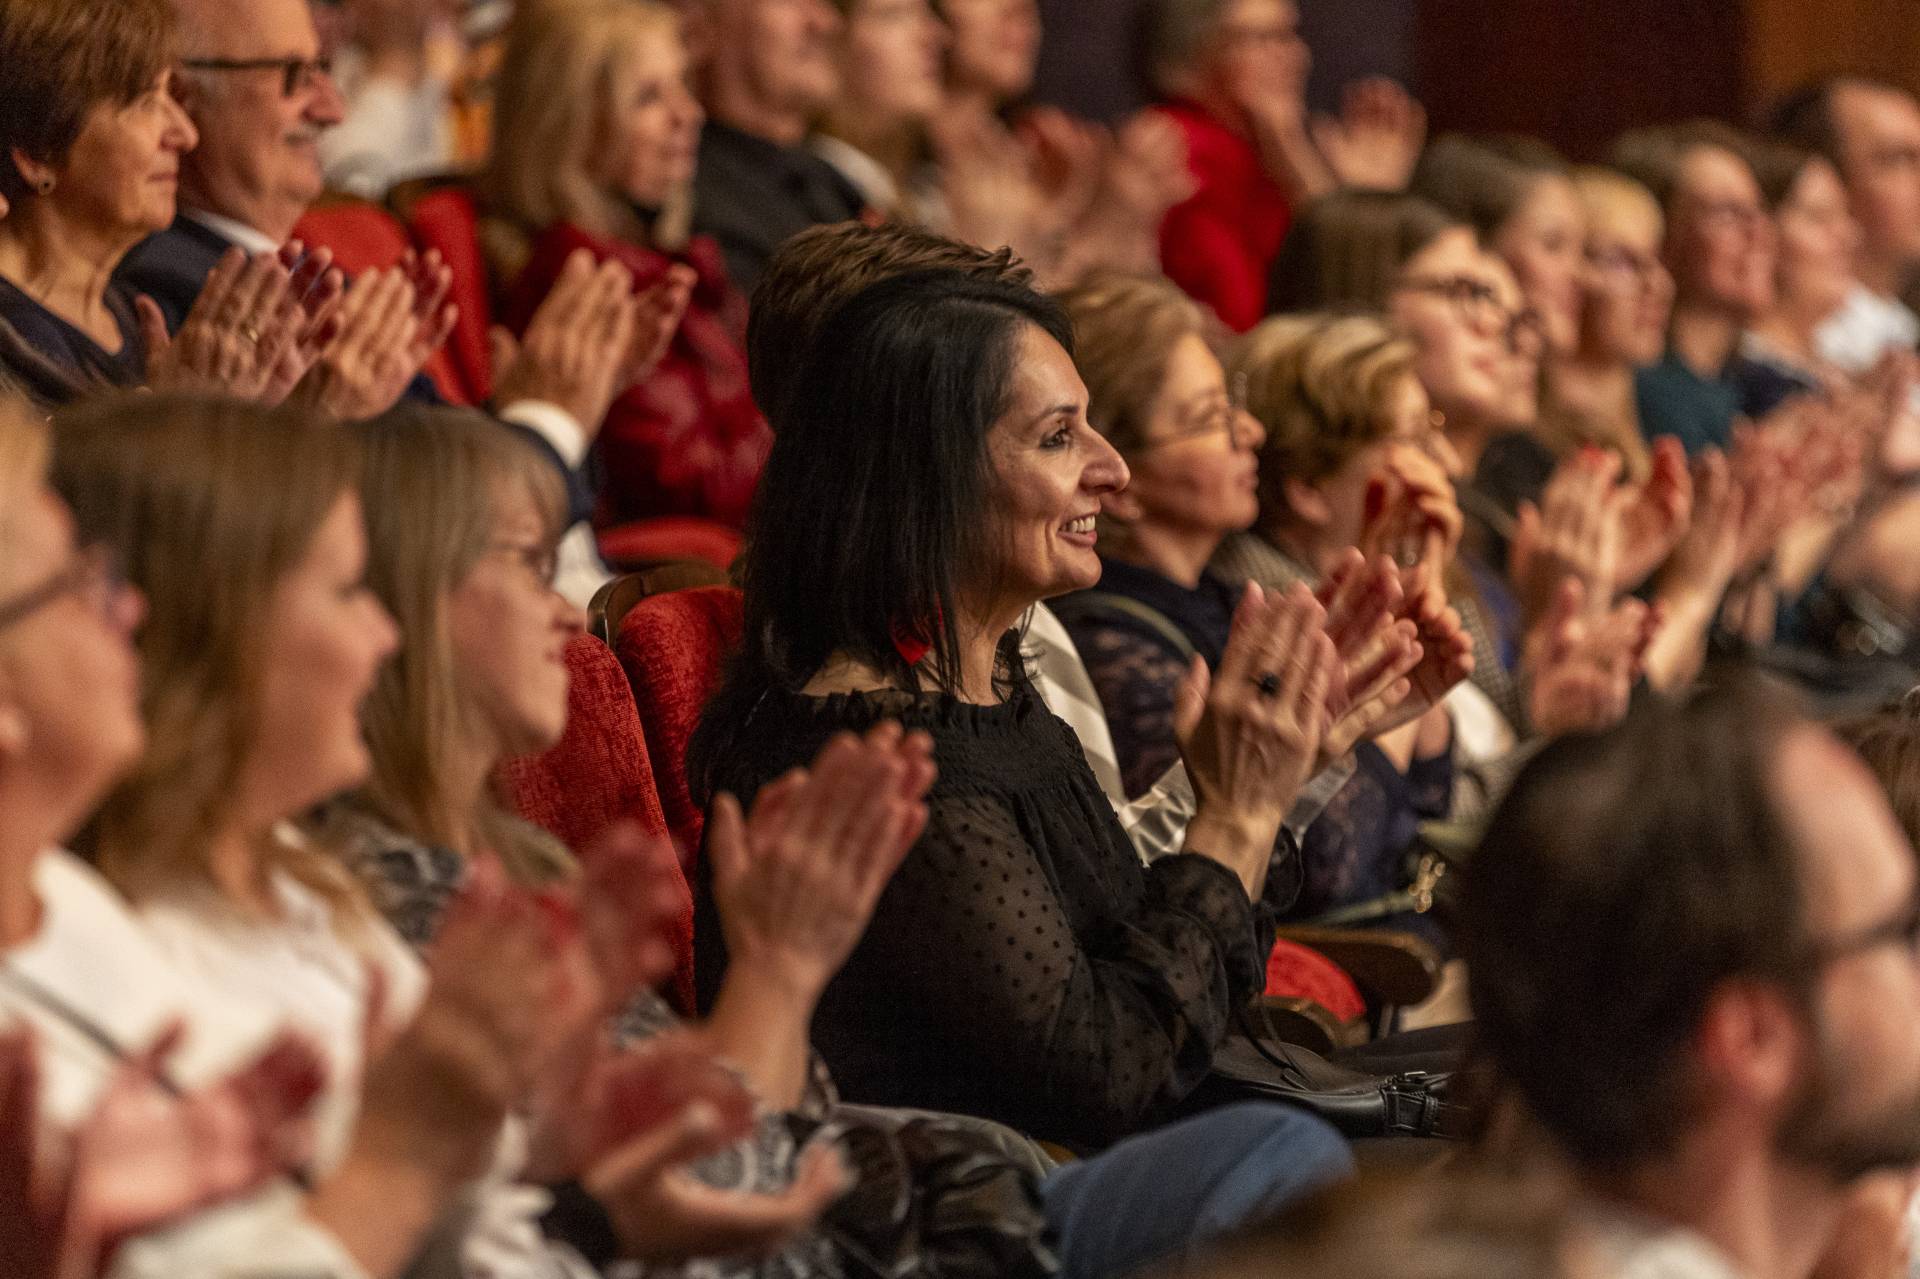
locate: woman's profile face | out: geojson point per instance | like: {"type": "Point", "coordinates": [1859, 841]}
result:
{"type": "Point", "coordinates": [1542, 242]}
{"type": "Point", "coordinates": [1197, 468]}
{"type": "Point", "coordinates": [892, 61]}
{"type": "Point", "coordinates": [123, 172]}
{"type": "Point", "coordinates": [323, 640]}
{"type": "Point", "coordinates": [653, 124]}
{"type": "Point", "coordinates": [995, 45]}
{"type": "Point", "coordinates": [1720, 238]}
{"type": "Point", "coordinates": [1627, 293]}
{"type": "Point", "coordinates": [1818, 241]}
{"type": "Point", "coordinates": [69, 674]}
{"type": "Point", "coordinates": [1454, 301]}
{"type": "Point", "coordinates": [1050, 470]}
{"type": "Point", "coordinates": [510, 629]}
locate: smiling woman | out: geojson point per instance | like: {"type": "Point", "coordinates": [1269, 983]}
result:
{"type": "Point", "coordinates": [1023, 965]}
{"type": "Point", "coordinates": [92, 140]}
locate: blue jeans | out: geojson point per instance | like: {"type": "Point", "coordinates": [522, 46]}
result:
{"type": "Point", "coordinates": [1156, 1197]}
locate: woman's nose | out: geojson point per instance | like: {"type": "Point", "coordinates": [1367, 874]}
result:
{"type": "Point", "coordinates": [1107, 471]}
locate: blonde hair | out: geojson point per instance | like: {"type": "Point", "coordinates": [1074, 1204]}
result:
{"type": "Point", "coordinates": [210, 504]}
{"type": "Point", "coordinates": [1125, 328]}
{"type": "Point", "coordinates": [1321, 386]}
{"type": "Point", "coordinates": [431, 481]}
{"type": "Point", "coordinates": [559, 81]}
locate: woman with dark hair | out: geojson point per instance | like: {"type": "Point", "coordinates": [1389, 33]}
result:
{"type": "Point", "coordinates": [1519, 198]}
{"type": "Point", "coordinates": [1023, 965]}
{"type": "Point", "coordinates": [1347, 249]}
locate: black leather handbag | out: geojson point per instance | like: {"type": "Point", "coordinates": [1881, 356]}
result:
{"type": "Point", "coordinates": [1357, 1101]}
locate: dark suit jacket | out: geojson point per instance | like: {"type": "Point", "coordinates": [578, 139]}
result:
{"type": "Point", "coordinates": [172, 266]}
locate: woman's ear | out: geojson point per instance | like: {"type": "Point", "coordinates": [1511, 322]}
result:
{"type": "Point", "coordinates": [1307, 503]}
{"type": "Point", "coordinates": [36, 174]}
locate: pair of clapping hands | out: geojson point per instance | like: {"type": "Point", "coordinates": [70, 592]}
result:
{"type": "Point", "coordinates": [288, 327]}
{"type": "Point", "coordinates": [1306, 676]}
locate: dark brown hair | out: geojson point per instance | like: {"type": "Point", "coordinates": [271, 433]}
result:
{"type": "Point", "coordinates": [63, 58]}
{"type": "Point", "coordinates": [1483, 182]}
{"type": "Point", "coordinates": [822, 267]}
{"type": "Point", "coordinates": [1624, 879]}
{"type": "Point", "coordinates": [1889, 741]}
{"type": "Point", "coordinates": [1652, 156]}
{"type": "Point", "coordinates": [1345, 250]}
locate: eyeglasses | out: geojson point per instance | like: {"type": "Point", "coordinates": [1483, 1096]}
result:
{"type": "Point", "coordinates": [1727, 215]}
{"type": "Point", "coordinates": [1478, 304]}
{"type": "Point", "coordinates": [297, 75]}
{"type": "Point", "coordinates": [94, 576]}
{"type": "Point", "coordinates": [1216, 417]}
{"type": "Point", "coordinates": [1624, 264]}
{"type": "Point", "coordinates": [541, 560]}
{"type": "Point", "coordinates": [1902, 930]}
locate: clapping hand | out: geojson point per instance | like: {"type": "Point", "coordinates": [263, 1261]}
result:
{"type": "Point", "coordinates": [796, 883]}
{"type": "Point", "coordinates": [1656, 517]}
{"type": "Point", "coordinates": [1376, 140]}
{"type": "Point", "coordinates": [250, 316]}
{"type": "Point", "coordinates": [147, 1154]}
{"type": "Point", "coordinates": [1582, 665]}
{"type": "Point", "coordinates": [1574, 533]}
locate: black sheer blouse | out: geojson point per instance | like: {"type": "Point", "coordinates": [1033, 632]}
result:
{"type": "Point", "coordinates": [1023, 965]}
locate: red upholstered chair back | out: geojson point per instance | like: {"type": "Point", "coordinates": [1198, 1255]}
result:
{"type": "Point", "coordinates": [598, 774]}
{"type": "Point", "coordinates": [365, 237]}
{"type": "Point", "coordinates": [448, 219]}
{"type": "Point", "coordinates": [674, 647]}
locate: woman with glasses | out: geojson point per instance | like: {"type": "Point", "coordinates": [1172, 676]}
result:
{"type": "Point", "coordinates": [1626, 295]}
{"type": "Point", "coordinates": [1721, 249]}
{"type": "Point", "coordinates": [92, 139]}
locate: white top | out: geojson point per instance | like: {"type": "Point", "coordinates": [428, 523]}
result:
{"type": "Point", "coordinates": [314, 973]}
{"type": "Point", "coordinates": [1628, 1245]}
{"type": "Point", "coordinates": [1865, 327]}
{"type": "Point", "coordinates": [92, 965]}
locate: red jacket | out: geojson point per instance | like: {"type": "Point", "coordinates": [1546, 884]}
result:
{"type": "Point", "coordinates": [688, 440]}
{"type": "Point", "coordinates": [1219, 244]}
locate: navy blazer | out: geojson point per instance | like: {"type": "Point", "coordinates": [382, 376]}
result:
{"type": "Point", "coordinates": [172, 266]}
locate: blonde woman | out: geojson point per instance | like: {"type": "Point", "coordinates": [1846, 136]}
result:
{"type": "Point", "coordinates": [243, 530]}
{"type": "Point", "coordinates": [595, 139]}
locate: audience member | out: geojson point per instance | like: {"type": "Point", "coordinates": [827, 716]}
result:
{"type": "Point", "coordinates": [1351, 459]}
{"type": "Point", "coordinates": [955, 388]}
{"type": "Point", "coordinates": [1626, 297]}
{"type": "Point", "coordinates": [875, 131]}
{"type": "Point", "coordinates": [595, 150]}
{"type": "Point", "coordinates": [1519, 198]}
{"type": "Point", "coordinates": [1867, 130]}
{"type": "Point", "coordinates": [1234, 73]}
{"type": "Point", "coordinates": [94, 141]}
{"type": "Point", "coordinates": [395, 69]}
{"type": "Point", "coordinates": [766, 69]}
{"type": "Point", "coordinates": [1720, 249]}
{"type": "Point", "coordinates": [1689, 941]}
{"type": "Point", "coordinates": [1813, 276]}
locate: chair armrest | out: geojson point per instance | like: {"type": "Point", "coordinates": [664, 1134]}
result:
{"type": "Point", "coordinates": [1291, 1020]}
{"type": "Point", "coordinates": [1391, 969]}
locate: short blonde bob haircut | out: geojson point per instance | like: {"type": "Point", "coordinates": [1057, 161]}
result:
{"type": "Point", "coordinates": [1322, 386]}
{"type": "Point", "coordinates": [566, 69]}
{"type": "Point", "coordinates": [209, 504]}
